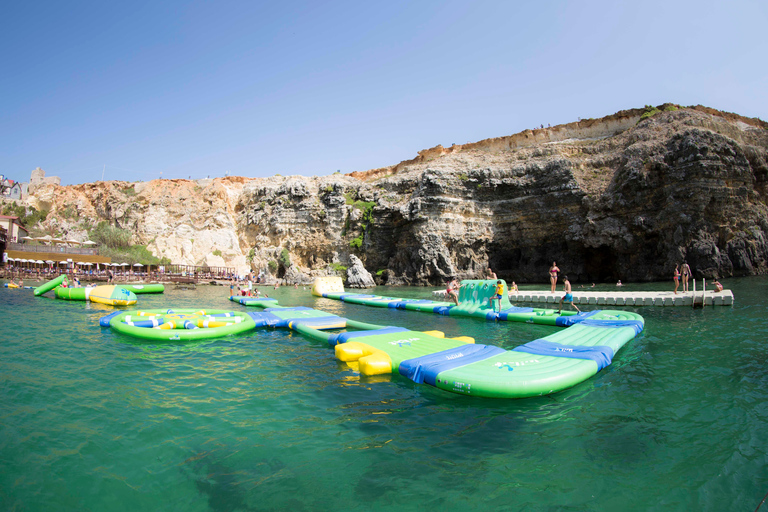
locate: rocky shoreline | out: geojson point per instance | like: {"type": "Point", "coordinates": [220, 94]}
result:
{"type": "Point", "coordinates": [622, 197]}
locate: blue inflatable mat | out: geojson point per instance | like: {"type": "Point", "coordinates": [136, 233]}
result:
{"type": "Point", "coordinates": [637, 325]}
{"type": "Point", "coordinates": [600, 354]}
{"type": "Point", "coordinates": [426, 368]}
{"type": "Point", "coordinates": [567, 321]}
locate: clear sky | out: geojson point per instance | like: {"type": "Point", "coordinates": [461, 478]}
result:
{"type": "Point", "coordinates": [257, 88]}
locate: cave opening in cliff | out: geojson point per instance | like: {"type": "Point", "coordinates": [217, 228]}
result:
{"type": "Point", "coordinates": [600, 264]}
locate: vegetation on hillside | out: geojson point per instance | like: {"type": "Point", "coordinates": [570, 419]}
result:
{"type": "Point", "coordinates": [115, 243]}
{"type": "Point", "coordinates": [28, 216]}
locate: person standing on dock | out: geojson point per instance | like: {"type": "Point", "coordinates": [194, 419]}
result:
{"type": "Point", "coordinates": [568, 297]}
{"type": "Point", "coordinates": [553, 270]}
{"type": "Point", "coordinates": [677, 278]}
{"type": "Point", "coordinates": [686, 272]}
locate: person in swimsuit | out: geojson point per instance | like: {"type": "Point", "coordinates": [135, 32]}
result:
{"type": "Point", "coordinates": [676, 278]}
{"type": "Point", "coordinates": [553, 270]}
{"type": "Point", "coordinates": [498, 294]}
{"type": "Point", "coordinates": [513, 288]}
{"type": "Point", "coordinates": [490, 274]}
{"type": "Point", "coordinates": [452, 291]}
{"type": "Point", "coordinates": [718, 286]}
{"type": "Point", "coordinates": [685, 270]}
{"type": "Point", "coordinates": [568, 297]}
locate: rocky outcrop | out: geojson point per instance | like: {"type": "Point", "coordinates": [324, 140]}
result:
{"type": "Point", "coordinates": [622, 197]}
{"type": "Point", "coordinates": [357, 276]}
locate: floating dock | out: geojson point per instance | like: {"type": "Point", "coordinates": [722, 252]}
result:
{"type": "Point", "coordinates": [621, 298]}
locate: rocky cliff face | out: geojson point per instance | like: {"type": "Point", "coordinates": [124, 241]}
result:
{"type": "Point", "coordinates": [612, 198]}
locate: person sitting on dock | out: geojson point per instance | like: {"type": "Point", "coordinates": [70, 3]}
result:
{"type": "Point", "coordinates": [498, 294]}
{"type": "Point", "coordinates": [718, 286]}
{"type": "Point", "coordinates": [513, 288]}
{"type": "Point", "coordinates": [568, 297]}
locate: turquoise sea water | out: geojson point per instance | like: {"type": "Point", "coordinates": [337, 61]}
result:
{"type": "Point", "coordinates": [269, 420]}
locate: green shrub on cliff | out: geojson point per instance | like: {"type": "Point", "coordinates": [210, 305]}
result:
{"type": "Point", "coordinates": [28, 217]}
{"type": "Point", "coordinates": [649, 112]}
{"type": "Point", "coordinates": [107, 235]}
{"type": "Point", "coordinates": [285, 258]}
{"type": "Point", "coordinates": [115, 243]}
{"type": "Point", "coordinates": [366, 222]}
{"type": "Point", "coordinates": [338, 267]}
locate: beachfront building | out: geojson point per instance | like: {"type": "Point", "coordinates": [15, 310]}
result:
{"type": "Point", "coordinates": [12, 225]}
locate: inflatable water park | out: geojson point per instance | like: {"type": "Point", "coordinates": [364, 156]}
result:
{"type": "Point", "coordinates": [585, 344]}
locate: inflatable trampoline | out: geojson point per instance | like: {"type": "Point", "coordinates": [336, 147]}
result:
{"type": "Point", "coordinates": [179, 324]}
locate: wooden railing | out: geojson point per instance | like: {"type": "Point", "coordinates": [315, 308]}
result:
{"type": "Point", "coordinates": [13, 246]}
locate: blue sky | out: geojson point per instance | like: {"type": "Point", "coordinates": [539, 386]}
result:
{"type": "Point", "coordinates": [261, 88]}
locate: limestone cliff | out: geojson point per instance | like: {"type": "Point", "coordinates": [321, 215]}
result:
{"type": "Point", "coordinates": [617, 197]}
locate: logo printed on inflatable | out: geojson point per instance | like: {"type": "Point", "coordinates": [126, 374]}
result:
{"type": "Point", "coordinates": [502, 364]}
{"type": "Point", "coordinates": [407, 342]}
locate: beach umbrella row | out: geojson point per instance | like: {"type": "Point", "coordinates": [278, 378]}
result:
{"type": "Point", "coordinates": [82, 263]}
{"type": "Point", "coordinates": [54, 240]}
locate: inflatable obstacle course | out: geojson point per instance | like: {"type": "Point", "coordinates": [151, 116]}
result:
{"type": "Point", "coordinates": [542, 366]}
{"type": "Point", "coordinates": [474, 301]}
{"type": "Point", "coordinates": [50, 285]}
{"type": "Point", "coordinates": [107, 294]}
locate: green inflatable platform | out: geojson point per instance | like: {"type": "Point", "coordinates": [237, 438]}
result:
{"type": "Point", "coordinates": [474, 301]}
{"type": "Point", "coordinates": [540, 367]}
